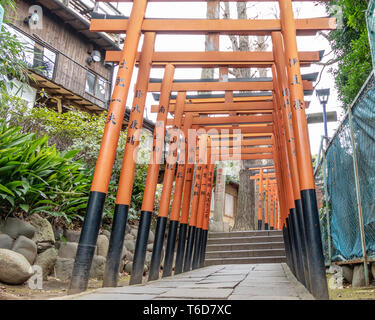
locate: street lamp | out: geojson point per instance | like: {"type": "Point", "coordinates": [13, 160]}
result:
{"type": "Point", "coordinates": [323, 95]}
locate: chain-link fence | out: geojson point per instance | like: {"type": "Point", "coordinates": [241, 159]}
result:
{"type": "Point", "coordinates": [347, 171]}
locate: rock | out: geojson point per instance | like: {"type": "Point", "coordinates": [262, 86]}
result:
{"type": "Point", "coordinates": [68, 250]}
{"type": "Point", "coordinates": [128, 267]}
{"type": "Point", "coordinates": [129, 236]}
{"type": "Point", "coordinates": [14, 267]}
{"type": "Point", "coordinates": [58, 232]}
{"type": "Point", "coordinates": [26, 247]}
{"type": "Point", "coordinates": [64, 268]}
{"type": "Point", "coordinates": [6, 242]}
{"type": "Point", "coordinates": [122, 265]}
{"type": "Point", "coordinates": [150, 246]}
{"type": "Point", "coordinates": [107, 234]}
{"type": "Point", "coordinates": [347, 272]}
{"type": "Point", "coordinates": [97, 267]}
{"type": "Point", "coordinates": [46, 260]}
{"type": "Point", "coordinates": [148, 258]}
{"type": "Point", "coordinates": [151, 237]}
{"type": "Point", "coordinates": [102, 245]}
{"type": "Point", "coordinates": [130, 245]}
{"type": "Point", "coordinates": [358, 276]}
{"type": "Point", "coordinates": [134, 232]}
{"type": "Point", "coordinates": [44, 236]}
{"type": "Point", "coordinates": [72, 235]}
{"type": "Point", "coordinates": [124, 252]}
{"type": "Point", "coordinates": [15, 227]}
{"type": "Point", "coordinates": [129, 256]}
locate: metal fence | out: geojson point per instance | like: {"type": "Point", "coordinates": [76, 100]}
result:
{"type": "Point", "coordinates": [346, 172]}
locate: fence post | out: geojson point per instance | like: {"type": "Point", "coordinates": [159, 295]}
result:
{"type": "Point", "coordinates": [359, 202]}
{"type": "Point", "coordinates": [326, 209]}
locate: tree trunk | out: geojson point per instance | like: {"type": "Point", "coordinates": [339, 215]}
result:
{"type": "Point", "coordinates": [244, 219]}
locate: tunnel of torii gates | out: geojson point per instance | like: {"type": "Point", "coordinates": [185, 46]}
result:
{"type": "Point", "coordinates": [271, 120]}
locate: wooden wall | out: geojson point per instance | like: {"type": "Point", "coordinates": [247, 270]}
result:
{"type": "Point", "coordinates": [70, 74]}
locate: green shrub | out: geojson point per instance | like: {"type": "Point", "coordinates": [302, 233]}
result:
{"type": "Point", "coordinates": [36, 178]}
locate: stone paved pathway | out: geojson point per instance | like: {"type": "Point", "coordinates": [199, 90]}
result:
{"type": "Point", "coordinates": [223, 282]}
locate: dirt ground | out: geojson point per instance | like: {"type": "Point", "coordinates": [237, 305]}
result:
{"type": "Point", "coordinates": [51, 288]}
{"type": "Point", "coordinates": [350, 293]}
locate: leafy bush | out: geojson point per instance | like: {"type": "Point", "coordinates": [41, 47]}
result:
{"type": "Point", "coordinates": [352, 49]}
{"type": "Point", "coordinates": [36, 178]}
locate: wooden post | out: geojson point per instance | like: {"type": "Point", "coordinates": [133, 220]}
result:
{"type": "Point", "coordinates": [152, 178]}
{"type": "Point", "coordinates": [128, 165]}
{"type": "Point", "coordinates": [107, 152]}
{"type": "Point", "coordinates": [170, 168]}
{"type": "Point", "coordinates": [317, 270]}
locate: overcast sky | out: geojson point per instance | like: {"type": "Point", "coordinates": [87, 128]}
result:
{"type": "Point", "coordinates": [262, 10]}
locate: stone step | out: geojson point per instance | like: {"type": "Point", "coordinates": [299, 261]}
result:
{"type": "Point", "coordinates": [245, 246]}
{"type": "Point", "coordinates": [245, 253]}
{"type": "Point", "coordinates": [235, 234]}
{"type": "Point", "coordinates": [245, 239]}
{"type": "Point", "coordinates": [246, 260]}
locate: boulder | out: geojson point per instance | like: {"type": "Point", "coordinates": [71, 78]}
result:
{"type": "Point", "coordinates": [358, 276]}
{"type": "Point", "coordinates": [122, 265]}
{"type": "Point", "coordinates": [124, 252]}
{"type": "Point", "coordinates": [15, 227]}
{"type": "Point", "coordinates": [46, 260]}
{"type": "Point", "coordinates": [129, 256]}
{"type": "Point", "coordinates": [68, 250]}
{"type": "Point", "coordinates": [6, 242]}
{"type": "Point", "coordinates": [72, 235]}
{"type": "Point", "coordinates": [26, 247]}
{"type": "Point", "coordinates": [64, 268]}
{"type": "Point", "coordinates": [347, 272]}
{"type": "Point", "coordinates": [128, 267]}
{"type": "Point", "coordinates": [14, 267]}
{"type": "Point", "coordinates": [58, 232]}
{"type": "Point", "coordinates": [150, 246]}
{"type": "Point", "coordinates": [107, 233]}
{"type": "Point", "coordinates": [130, 245]}
{"type": "Point", "coordinates": [102, 245]}
{"type": "Point", "coordinates": [151, 237]}
{"type": "Point", "coordinates": [134, 232]}
{"type": "Point", "coordinates": [148, 258]}
{"type": "Point", "coordinates": [129, 236]}
{"type": "Point", "coordinates": [44, 236]}
{"type": "Point", "coordinates": [97, 267]}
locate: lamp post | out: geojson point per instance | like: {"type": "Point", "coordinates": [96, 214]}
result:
{"type": "Point", "coordinates": [323, 95]}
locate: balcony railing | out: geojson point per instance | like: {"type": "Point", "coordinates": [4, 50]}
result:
{"type": "Point", "coordinates": [63, 70]}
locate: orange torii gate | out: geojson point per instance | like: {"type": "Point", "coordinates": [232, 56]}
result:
{"type": "Point", "coordinates": [270, 190]}
{"type": "Point", "coordinates": [290, 147]}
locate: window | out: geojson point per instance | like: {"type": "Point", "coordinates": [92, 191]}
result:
{"type": "Point", "coordinates": [90, 83]}
{"type": "Point", "coordinates": [96, 86]}
{"type": "Point", "coordinates": [38, 57]}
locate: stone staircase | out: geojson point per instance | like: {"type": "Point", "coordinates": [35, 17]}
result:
{"type": "Point", "coordinates": [240, 247]}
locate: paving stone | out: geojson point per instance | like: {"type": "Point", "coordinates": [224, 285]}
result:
{"type": "Point", "coordinates": [167, 284]}
{"type": "Point", "coordinates": [118, 296]}
{"type": "Point", "coordinates": [214, 282]}
{"type": "Point", "coordinates": [211, 285]}
{"type": "Point", "coordinates": [246, 297]}
{"type": "Point", "coordinates": [133, 290]}
{"type": "Point", "coordinates": [265, 291]}
{"type": "Point", "coordinates": [262, 274]}
{"type": "Point", "coordinates": [197, 293]}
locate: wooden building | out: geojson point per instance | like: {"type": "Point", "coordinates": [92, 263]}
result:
{"type": "Point", "coordinates": [64, 56]}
